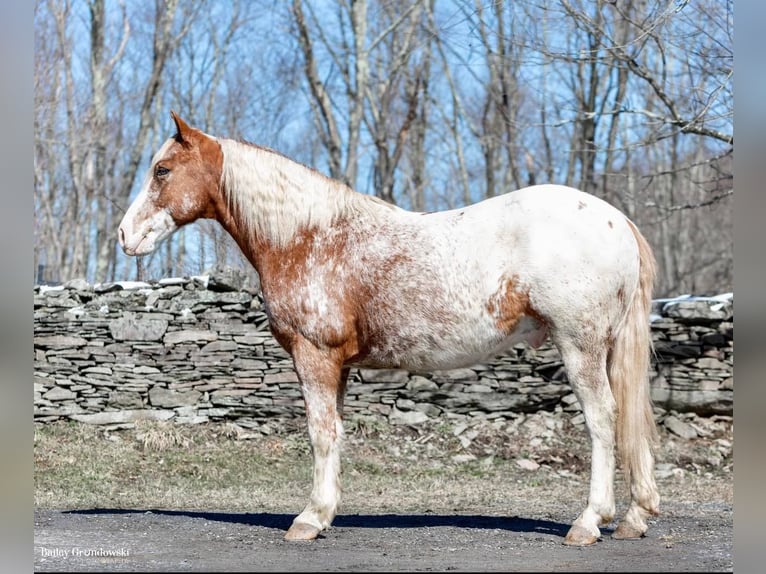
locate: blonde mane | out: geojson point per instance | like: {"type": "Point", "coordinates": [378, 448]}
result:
{"type": "Point", "coordinates": [277, 197]}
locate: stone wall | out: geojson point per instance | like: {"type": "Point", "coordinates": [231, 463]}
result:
{"type": "Point", "coordinates": [199, 349]}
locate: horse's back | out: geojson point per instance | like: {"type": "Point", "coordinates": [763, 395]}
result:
{"type": "Point", "coordinates": [565, 230]}
{"type": "Point", "coordinates": [541, 232]}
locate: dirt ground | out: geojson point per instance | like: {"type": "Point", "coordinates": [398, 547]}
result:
{"type": "Point", "coordinates": [689, 537]}
{"type": "Point", "coordinates": [414, 500]}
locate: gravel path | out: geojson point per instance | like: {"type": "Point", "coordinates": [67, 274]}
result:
{"type": "Point", "coordinates": [687, 537]}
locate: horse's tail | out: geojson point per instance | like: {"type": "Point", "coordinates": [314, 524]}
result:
{"type": "Point", "coordinates": [628, 367]}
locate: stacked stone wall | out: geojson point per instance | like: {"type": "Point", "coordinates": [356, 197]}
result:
{"type": "Point", "coordinates": [199, 349]}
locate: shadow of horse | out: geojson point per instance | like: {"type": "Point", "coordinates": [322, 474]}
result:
{"type": "Point", "coordinates": [283, 521]}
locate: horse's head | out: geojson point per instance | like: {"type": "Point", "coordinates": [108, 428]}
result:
{"type": "Point", "coordinates": [183, 180]}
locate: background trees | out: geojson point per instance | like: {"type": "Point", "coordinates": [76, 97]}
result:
{"type": "Point", "coordinates": [430, 104]}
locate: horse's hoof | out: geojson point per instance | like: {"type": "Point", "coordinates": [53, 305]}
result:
{"type": "Point", "coordinates": [627, 532]}
{"type": "Point", "coordinates": [579, 536]}
{"type": "Point", "coordinates": [302, 531]}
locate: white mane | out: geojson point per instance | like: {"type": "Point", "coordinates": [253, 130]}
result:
{"type": "Point", "coordinates": [276, 197]}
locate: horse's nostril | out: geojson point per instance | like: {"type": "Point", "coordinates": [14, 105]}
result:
{"type": "Point", "coordinates": [122, 236]}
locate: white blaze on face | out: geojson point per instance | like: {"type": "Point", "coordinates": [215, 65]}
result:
{"type": "Point", "coordinates": [144, 226]}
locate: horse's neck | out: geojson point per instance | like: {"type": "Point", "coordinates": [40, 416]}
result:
{"type": "Point", "coordinates": [271, 200]}
{"type": "Point", "coordinates": [273, 197]}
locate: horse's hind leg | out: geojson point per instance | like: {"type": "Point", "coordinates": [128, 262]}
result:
{"type": "Point", "coordinates": [585, 363]}
{"type": "Point", "coordinates": [323, 383]}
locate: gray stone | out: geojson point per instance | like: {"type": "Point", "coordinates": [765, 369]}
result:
{"type": "Point", "coordinates": [275, 378]}
{"type": "Point", "coordinates": [59, 341]}
{"type": "Point", "coordinates": [431, 410]}
{"type": "Point", "coordinates": [398, 417]}
{"type": "Point", "coordinates": [405, 404]}
{"type": "Point", "coordinates": [712, 364]}
{"type": "Point", "coordinates": [59, 394]}
{"type": "Point", "coordinates": [456, 375]}
{"type": "Point", "coordinates": [384, 376]}
{"type": "Point", "coordinates": [162, 397]}
{"type": "Point", "coordinates": [490, 402]}
{"type": "Point", "coordinates": [226, 279]}
{"type": "Point", "coordinates": [699, 310]}
{"type": "Point", "coordinates": [191, 420]}
{"type": "Point", "coordinates": [463, 458]}
{"type": "Point", "coordinates": [477, 388]}
{"type": "Point", "coordinates": [115, 417]}
{"type": "Point", "coordinates": [578, 419]}
{"type": "Point", "coordinates": [125, 400]}
{"type": "Point", "coordinates": [680, 428]}
{"type": "Point", "coordinates": [235, 301]}
{"type": "Point", "coordinates": [256, 400]}
{"type": "Point", "coordinates": [686, 395]}
{"type": "Point", "coordinates": [664, 470]}
{"type": "Point", "coordinates": [229, 397]}
{"type": "Point", "coordinates": [78, 285]}
{"type": "Point", "coordinates": [218, 346]}
{"type": "Point", "coordinates": [250, 339]}
{"type": "Point", "coordinates": [187, 335]}
{"type": "Point", "coordinates": [145, 370]}
{"type": "Point", "coordinates": [384, 410]}
{"type": "Point", "coordinates": [97, 371]}
{"type": "Point", "coordinates": [459, 428]}
{"type": "Point", "coordinates": [249, 364]}
{"type": "Point", "coordinates": [527, 464]}
{"type": "Point", "coordinates": [132, 328]}
{"type": "Point", "coordinates": [65, 410]}
{"type": "Point", "coordinates": [418, 383]}
{"type": "Point", "coordinates": [174, 281]}
{"type": "Point", "coordinates": [169, 291]}
{"type": "Point", "coordinates": [82, 389]}
{"type": "Point", "coordinates": [214, 412]}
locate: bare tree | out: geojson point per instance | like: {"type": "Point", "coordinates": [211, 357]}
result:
{"type": "Point", "coordinates": [396, 98]}
{"type": "Point", "coordinates": [166, 37]}
{"type": "Point", "coordinates": [101, 69]}
{"type": "Point", "coordinates": [321, 102]}
{"type": "Point", "coordinates": [92, 169]}
{"type": "Point", "coordinates": [428, 104]}
{"type": "Point", "coordinates": [646, 109]}
{"type": "Point", "coordinates": [689, 115]}
{"type": "Point", "coordinates": [377, 81]}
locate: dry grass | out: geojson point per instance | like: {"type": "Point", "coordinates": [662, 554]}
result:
{"type": "Point", "coordinates": [386, 469]}
{"type": "Point", "coordinates": [155, 466]}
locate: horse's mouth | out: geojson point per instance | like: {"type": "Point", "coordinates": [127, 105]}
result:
{"type": "Point", "coordinates": [134, 249]}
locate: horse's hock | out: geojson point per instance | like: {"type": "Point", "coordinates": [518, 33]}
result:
{"type": "Point", "coordinates": [194, 350]}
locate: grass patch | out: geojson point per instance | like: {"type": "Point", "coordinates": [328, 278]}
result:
{"type": "Point", "coordinates": [159, 466]}
{"type": "Point", "coordinates": [385, 469]}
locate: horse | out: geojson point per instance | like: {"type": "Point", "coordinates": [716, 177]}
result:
{"type": "Point", "coordinates": [349, 280]}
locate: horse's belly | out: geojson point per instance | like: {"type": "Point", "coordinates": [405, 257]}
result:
{"type": "Point", "coordinates": [419, 348]}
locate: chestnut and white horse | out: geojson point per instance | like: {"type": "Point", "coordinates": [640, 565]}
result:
{"type": "Point", "coordinates": [349, 280]}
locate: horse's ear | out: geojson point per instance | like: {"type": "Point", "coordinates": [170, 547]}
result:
{"type": "Point", "coordinates": [183, 131]}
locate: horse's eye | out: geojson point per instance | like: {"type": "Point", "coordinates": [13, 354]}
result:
{"type": "Point", "coordinates": [160, 171]}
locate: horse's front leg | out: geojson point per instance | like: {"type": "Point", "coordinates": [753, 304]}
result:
{"type": "Point", "coordinates": [323, 383]}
